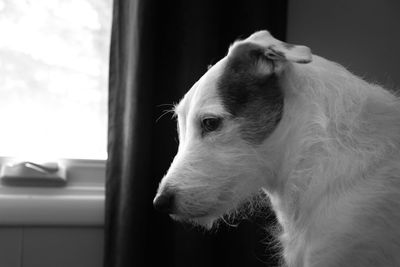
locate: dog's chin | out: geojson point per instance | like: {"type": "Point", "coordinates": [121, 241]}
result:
{"type": "Point", "coordinates": [206, 222]}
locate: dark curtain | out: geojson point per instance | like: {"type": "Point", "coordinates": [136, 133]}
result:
{"type": "Point", "coordinates": [158, 50]}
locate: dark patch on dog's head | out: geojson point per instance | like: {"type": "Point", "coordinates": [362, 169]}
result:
{"type": "Point", "coordinates": [253, 98]}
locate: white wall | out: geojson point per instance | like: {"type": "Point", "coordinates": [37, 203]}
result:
{"type": "Point", "coordinates": [363, 35]}
{"type": "Point", "coordinates": [51, 246]}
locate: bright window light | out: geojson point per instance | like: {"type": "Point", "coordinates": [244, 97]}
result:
{"type": "Point", "coordinates": [54, 78]}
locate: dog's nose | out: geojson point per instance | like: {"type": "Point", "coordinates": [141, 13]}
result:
{"type": "Point", "coordinates": [164, 202]}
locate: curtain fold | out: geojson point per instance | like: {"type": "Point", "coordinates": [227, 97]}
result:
{"type": "Point", "coordinates": [158, 50]}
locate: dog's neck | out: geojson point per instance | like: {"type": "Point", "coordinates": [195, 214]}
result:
{"type": "Point", "coordinates": [340, 133]}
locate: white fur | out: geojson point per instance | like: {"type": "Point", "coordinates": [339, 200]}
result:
{"type": "Point", "coordinates": [338, 185]}
{"type": "Point", "coordinates": [330, 168]}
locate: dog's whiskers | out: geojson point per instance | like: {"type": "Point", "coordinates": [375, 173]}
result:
{"type": "Point", "coordinates": [165, 112]}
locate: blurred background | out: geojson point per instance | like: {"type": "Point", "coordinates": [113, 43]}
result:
{"type": "Point", "coordinates": [361, 35]}
{"type": "Point", "coordinates": [53, 78]}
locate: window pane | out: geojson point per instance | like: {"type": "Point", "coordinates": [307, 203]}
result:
{"type": "Point", "coordinates": [53, 78]}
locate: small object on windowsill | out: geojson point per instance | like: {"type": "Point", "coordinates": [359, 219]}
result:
{"type": "Point", "coordinates": [26, 173]}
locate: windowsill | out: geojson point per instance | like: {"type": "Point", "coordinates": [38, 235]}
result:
{"type": "Point", "coordinates": [80, 203]}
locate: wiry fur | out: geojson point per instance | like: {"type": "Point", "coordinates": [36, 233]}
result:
{"type": "Point", "coordinates": [338, 187]}
{"type": "Point", "coordinates": [330, 168]}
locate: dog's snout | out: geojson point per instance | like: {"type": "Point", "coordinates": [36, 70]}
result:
{"type": "Point", "coordinates": [165, 202]}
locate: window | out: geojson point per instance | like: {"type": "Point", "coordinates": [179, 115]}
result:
{"type": "Point", "coordinates": [54, 78]}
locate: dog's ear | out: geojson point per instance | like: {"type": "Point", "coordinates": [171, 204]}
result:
{"type": "Point", "coordinates": [294, 53]}
{"type": "Point", "coordinates": [280, 51]}
{"type": "Point", "coordinates": [264, 54]}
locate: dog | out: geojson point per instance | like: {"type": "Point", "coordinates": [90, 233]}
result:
{"type": "Point", "coordinates": [321, 142]}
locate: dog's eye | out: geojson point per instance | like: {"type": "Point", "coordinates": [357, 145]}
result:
{"type": "Point", "coordinates": [210, 124]}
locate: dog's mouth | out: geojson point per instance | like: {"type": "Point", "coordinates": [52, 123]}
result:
{"type": "Point", "coordinates": [210, 216]}
{"type": "Point", "coordinates": [203, 221]}
{"type": "Point", "coordinates": [203, 217]}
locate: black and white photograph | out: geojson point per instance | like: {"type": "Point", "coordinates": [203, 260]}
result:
{"type": "Point", "coordinates": [199, 133]}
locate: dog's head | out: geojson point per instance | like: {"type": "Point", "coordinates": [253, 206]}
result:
{"type": "Point", "coordinates": [223, 122]}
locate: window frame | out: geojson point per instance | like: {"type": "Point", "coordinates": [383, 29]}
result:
{"type": "Point", "coordinates": [79, 203]}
